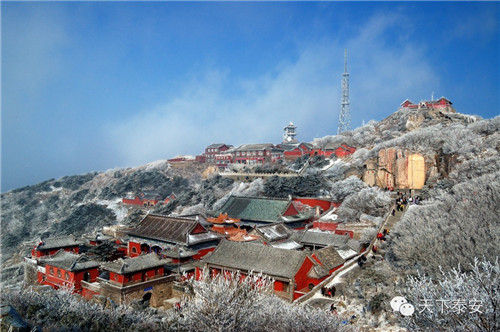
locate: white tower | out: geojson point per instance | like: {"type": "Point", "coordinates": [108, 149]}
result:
{"type": "Point", "coordinates": [345, 115]}
{"type": "Point", "coordinates": [289, 134]}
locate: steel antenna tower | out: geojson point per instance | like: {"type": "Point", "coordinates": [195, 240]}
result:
{"type": "Point", "coordinates": [345, 114]}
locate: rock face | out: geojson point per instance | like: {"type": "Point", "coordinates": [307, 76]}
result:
{"type": "Point", "coordinates": [11, 320]}
{"type": "Point", "coordinates": [397, 168]}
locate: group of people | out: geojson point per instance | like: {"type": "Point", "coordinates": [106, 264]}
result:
{"type": "Point", "coordinates": [383, 235]}
{"type": "Point", "coordinates": [328, 291]}
{"type": "Point", "coordinates": [361, 260]}
{"type": "Point", "coordinates": [402, 201]}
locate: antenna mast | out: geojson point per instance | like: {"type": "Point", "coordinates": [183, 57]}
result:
{"type": "Point", "coordinates": [345, 115]}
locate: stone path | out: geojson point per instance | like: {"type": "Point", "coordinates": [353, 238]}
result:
{"type": "Point", "coordinates": [392, 220]}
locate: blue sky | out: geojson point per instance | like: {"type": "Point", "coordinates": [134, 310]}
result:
{"type": "Point", "coordinates": [98, 85]}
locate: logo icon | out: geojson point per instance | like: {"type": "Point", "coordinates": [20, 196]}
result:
{"type": "Point", "coordinates": [400, 304]}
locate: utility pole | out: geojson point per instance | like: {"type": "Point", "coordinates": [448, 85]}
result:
{"type": "Point", "coordinates": [345, 115]}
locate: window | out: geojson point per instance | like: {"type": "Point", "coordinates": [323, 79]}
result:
{"type": "Point", "coordinates": [51, 271]}
{"type": "Point", "coordinates": [66, 275]}
{"type": "Point", "coordinates": [59, 273]}
{"type": "Point", "coordinates": [134, 250]}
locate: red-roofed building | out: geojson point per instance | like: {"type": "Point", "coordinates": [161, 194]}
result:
{"type": "Point", "coordinates": [50, 246]}
{"type": "Point", "coordinates": [344, 150]}
{"type": "Point", "coordinates": [162, 234]}
{"type": "Point", "coordinates": [67, 270]}
{"type": "Point", "coordinates": [288, 268]}
{"type": "Point", "coordinates": [140, 278]}
{"type": "Point", "coordinates": [441, 104]}
{"type": "Point", "coordinates": [214, 149]}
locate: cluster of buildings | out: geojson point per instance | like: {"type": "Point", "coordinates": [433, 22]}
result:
{"type": "Point", "coordinates": [442, 104]}
{"type": "Point", "coordinates": [277, 237]}
{"type": "Point", "coordinates": [223, 155]}
{"type": "Point", "coordinates": [295, 241]}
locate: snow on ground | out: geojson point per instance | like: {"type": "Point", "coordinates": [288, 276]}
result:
{"type": "Point", "coordinates": [330, 164]}
{"type": "Point", "coordinates": [351, 302]}
{"type": "Point", "coordinates": [317, 230]}
{"type": "Point", "coordinates": [156, 164]}
{"type": "Point", "coordinates": [117, 207]}
{"type": "Point", "coordinates": [291, 245]}
{"type": "Point", "coordinates": [330, 215]}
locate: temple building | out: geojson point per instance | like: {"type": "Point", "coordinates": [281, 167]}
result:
{"type": "Point", "coordinates": [50, 246]}
{"type": "Point", "coordinates": [164, 235]}
{"type": "Point", "coordinates": [141, 278]}
{"type": "Point", "coordinates": [67, 270]}
{"type": "Point", "coordinates": [256, 211]}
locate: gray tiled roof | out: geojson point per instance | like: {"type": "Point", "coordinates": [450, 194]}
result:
{"type": "Point", "coordinates": [286, 244]}
{"type": "Point", "coordinates": [317, 272]}
{"type": "Point", "coordinates": [288, 147]}
{"type": "Point", "coordinates": [202, 218]}
{"type": "Point", "coordinates": [60, 242]}
{"type": "Point", "coordinates": [203, 237]}
{"type": "Point", "coordinates": [135, 264]}
{"type": "Point", "coordinates": [335, 146]}
{"type": "Point", "coordinates": [255, 208]}
{"type": "Point", "coordinates": [329, 257]}
{"type": "Point", "coordinates": [354, 245]}
{"type": "Point", "coordinates": [246, 256]}
{"type": "Point", "coordinates": [70, 262]}
{"type": "Point", "coordinates": [164, 228]}
{"type": "Point", "coordinates": [274, 232]}
{"type": "Point", "coordinates": [218, 145]}
{"type": "Point", "coordinates": [251, 147]}
{"type": "Point", "coordinates": [345, 252]}
{"type": "Point", "coordinates": [150, 195]}
{"type": "Point", "coordinates": [320, 238]}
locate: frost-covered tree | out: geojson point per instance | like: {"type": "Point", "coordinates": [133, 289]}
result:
{"type": "Point", "coordinates": [455, 300]}
{"type": "Point", "coordinates": [254, 188]}
{"type": "Point", "coordinates": [60, 310]}
{"type": "Point", "coordinates": [305, 186]}
{"type": "Point", "coordinates": [486, 127]}
{"type": "Point", "coordinates": [85, 218]}
{"type": "Point", "coordinates": [341, 189]}
{"type": "Point", "coordinates": [474, 168]}
{"type": "Point", "coordinates": [452, 227]}
{"type": "Point", "coordinates": [231, 303]}
{"type": "Point", "coordinates": [372, 201]}
{"type": "Point", "coordinates": [337, 171]}
{"type": "Point", "coordinates": [465, 142]}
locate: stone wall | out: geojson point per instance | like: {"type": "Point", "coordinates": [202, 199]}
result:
{"type": "Point", "coordinates": [159, 288]}
{"type": "Point", "coordinates": [30, 272]}
{"type": "Point", "coordinates": [396, 168]}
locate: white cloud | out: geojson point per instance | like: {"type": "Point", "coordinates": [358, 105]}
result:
{"type": "Point", "coordinates": [306, 92]}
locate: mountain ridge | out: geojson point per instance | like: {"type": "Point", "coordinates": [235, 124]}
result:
{"type": "Point", "coordinates": [87, 202]}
